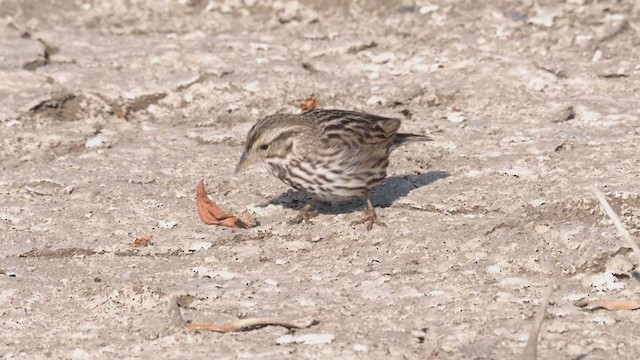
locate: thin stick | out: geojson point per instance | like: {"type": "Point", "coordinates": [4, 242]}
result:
{"type": "Point", "coordinates": [616, 221]}
{"type": "Point", "coordinates": [247, 324]}
{"type": "Point", "coordinates": [237, 325]}
{"type": "Point", "coordinates": [531, 348]}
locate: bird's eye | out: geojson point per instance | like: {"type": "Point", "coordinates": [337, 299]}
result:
{"type": "Point", "coordinates": [264, 147]}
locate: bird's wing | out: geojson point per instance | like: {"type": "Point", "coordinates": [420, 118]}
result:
{"type": "Point", "coordinates": [353, 129]}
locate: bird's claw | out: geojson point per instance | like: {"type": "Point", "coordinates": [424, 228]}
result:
{"type": "Point", "coordinates": [303, 215]}
{"type": "Point", "coordinates": [369, 218]}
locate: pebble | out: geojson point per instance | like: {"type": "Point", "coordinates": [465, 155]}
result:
{"type": "Point", "coordinates": [199, 245]}
{"type": "Point", "coordinates": [375, 100]}
{"type": "Point", "coordinates": [253, 87]}
{"type": "Point", "coordinates": [360, 348]}
{"type": "Point", "coordinates": [271, 282]}
{"type": "Point", "coordinates": [456, 117]}
{"type": "Point", "coordinates": [170, 224]}
{"type": "Point", "coordinates": [427, 9]}
{"type": "Point", "coordinates": [98, 141]}
{"type": "Point", "coordinates": [383, 58]}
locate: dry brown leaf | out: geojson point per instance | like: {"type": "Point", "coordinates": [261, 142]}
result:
{"type": "Point", "coordinates": [310, 103]}
{"type": "Point", "coordinates": [612, 305]}
{"type": "Point", "coordinates": [143, 240]}
{"type": "Point", "coordinates": [211, 214]}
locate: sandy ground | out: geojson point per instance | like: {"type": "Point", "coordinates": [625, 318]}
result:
{"type": "Point", "coordinates": [112, 111]}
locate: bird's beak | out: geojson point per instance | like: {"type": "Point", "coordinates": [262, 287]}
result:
{"type": "Point", "coordinates": [245, 162]}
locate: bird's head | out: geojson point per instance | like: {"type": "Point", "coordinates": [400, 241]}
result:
{"type": "Point", "coordinates": [270, 141]}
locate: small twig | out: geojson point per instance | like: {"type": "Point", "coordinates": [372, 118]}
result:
{"type": "Point", "coordinates": [616, 221]}
{"type": "Point", "coordinates": [251, 323]}
{"type": "Point", "coordinates": [531, 348]}
{"type": "Point", "coordinates": [237, 325]}
{"type": "Point", "coordinates": [612, 305]}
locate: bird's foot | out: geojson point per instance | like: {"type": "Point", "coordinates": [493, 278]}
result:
{"type": "Point", "coordinates": [369, 218]}
{"type": "Point", "coordinates": [304, 215]}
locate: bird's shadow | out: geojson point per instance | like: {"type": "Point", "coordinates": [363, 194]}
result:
{"type": "Point", "coordinates": [383, 195]}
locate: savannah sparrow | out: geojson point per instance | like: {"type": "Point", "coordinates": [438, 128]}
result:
{"type": "Point", "coordinates": [326, 154]}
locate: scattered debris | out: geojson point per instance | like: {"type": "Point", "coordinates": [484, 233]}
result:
{"type": "Point", "coordinates": [310, 103]}
{"type": "Point", "coordinates": [211, 214]}
{"type": "Point", "coordinates": [144, 240]}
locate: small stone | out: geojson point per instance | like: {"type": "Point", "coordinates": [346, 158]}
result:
{"type": "Point", "coordinates": [375, 100]}
{"type": "Point", "coordinates": [383, 58]}
{"type": "Point", "coordinates": [202, 271]}
{"type": "Point", "coordinates": [537, 202]}
{"type": "Point", "coordinates": [98, 141]}
{"type": "Point", "coordinates": [199, 245]}
{"type": "Point", "coordinates": [546, 16]}
{"type": "Point", "coordinates": [169, 224]}
{"type": "Point", "coordinates": [537, 83]}
{"type": "Point", "coordinates": [271, 282]}
{"type": "Point", "coordinates": [12, 123]}
{"type": "Point", "coordinates": [281, 261]}
{"type": "Point", "coordinates": [597, 55]}
{"type": "Point", "coordinates": [226, 275]}
{"type": "Point", "coordinates": [456, 117]}
{"type": "Point", "coordinates": [253, 87]}
{"type": "Point", "coordinates": [68, 189]}
{"type": "Point", "coordinates": [541, 228]}
{"type": "Point", "coordinates": [360, 348]}
{"type": "Point", "coordinates": [427, 9]}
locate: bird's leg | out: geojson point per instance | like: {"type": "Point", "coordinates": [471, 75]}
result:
{"type": "Point", "coordinates": [305, 214]}
{"type": "Point", "coordinates": [369, 217]}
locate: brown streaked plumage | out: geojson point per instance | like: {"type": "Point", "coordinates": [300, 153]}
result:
{"type": "Point", "coordinates": [327, 154]}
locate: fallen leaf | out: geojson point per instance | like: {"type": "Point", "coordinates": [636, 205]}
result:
{"type": "Point", "coordinates": [612, 305]}
{"type": "Point", "coordinates": [143, 240]}
{"type": "Point", "coordinates": [310, 103]}
{"type": "Point", "coordinates": [211, 214]}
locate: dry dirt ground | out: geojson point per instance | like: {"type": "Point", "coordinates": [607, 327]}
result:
{"type": "Point", "coordinates": [112, 111]}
